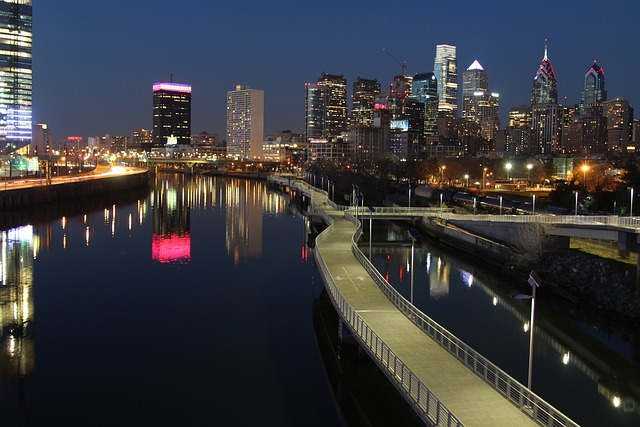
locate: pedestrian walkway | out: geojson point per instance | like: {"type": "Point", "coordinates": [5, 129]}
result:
{"type": "Point", "coordinates": [464, 397]}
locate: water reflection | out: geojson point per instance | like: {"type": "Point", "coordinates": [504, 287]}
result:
{"type": "Point", "coordinates": [573, 371]}
{"type": "Point", "coordinates": [19, 248]}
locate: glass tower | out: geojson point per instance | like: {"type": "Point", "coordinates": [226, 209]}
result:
{"type": "Point", "coordinates": [15, 73]}
{"type": "Point", "coordinates": [171, 114]}
{"type": "Point", "coordinates": [446, 71]}
{"type": "Point", "coordinates": [336, 113]}
{"type": "Point", "coordinates": [425, 90]}
{"type": "Point", "coordinates": [364, 95]}
{"type": "Point", "coordinates": [478, 104]}
{"type": "Point", "coordinates": [594, 91]}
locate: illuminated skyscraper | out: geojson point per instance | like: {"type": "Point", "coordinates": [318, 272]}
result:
{"type": "Point", "coordinates": [171, 114]}
{"type": "Point", "coordinates": [619, 116]}
{"type": "Point", "coordinates": [245, 123]}
{"type": "Point", "coordinates": [594, 91]}
{"type": "Point", "coordinates": [315, 111]}
{"type": "Point", "coordinates": [425, 90]}
{"type": "Point", "coordinates": [547, 114]}
{"type": "Point", "coordinates": [364, 95]}
{"type": "Point", "coordinates": [15, 73]}
{"type": "Point", "coordinates": [446, 71]}
{"type": "Point", "coordinates": [336, 113]}
{"type": "Point", "coordinates": [478, 104]}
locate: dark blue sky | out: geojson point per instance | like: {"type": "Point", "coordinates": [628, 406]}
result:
{"type": "Point", "coordinates": [94, 62]}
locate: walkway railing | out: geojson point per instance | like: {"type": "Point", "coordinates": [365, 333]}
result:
{"type": "Point", "coordinates": [607, 220]}
{"type": "Point", "coordinates": [423, 401]}
{"type": "Point", "coordinates": [535, 407]}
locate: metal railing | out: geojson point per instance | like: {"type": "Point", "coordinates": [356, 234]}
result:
{"type": "Point", "coordinates": [605, 220]}
{"type": "Point", "coordinates": [424, 402]}
{"type": "Point", "coordinates": [529, 403]}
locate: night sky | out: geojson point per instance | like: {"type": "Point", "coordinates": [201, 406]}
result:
{"type": "Point", "coordinates": [94, 62]}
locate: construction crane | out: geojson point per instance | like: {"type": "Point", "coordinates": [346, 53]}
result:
{"type": "Point", "coordinates": [402, 64]}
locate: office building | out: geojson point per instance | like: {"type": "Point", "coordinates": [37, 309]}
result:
{"type": "Point", "coordinates": [619, 114]}
{"type": "Point", "coordinates": [41, 141]}
{"type": "Point", "coordinates": [315, 112]}
{"type": "Point", "coordinates": [446, 72]}
{"type": "Point", "coordinates": [336, 104]}
{"type": "Point", "coordinates": [594, 92]}
{"type": "Point", "coordinates": [245, 123]}
{"type": "Point", "coordinates": [363, 98]}
{"type": "Point", "coordinates": [15, 73]}
{"type": "Point", "coordinates": [171, 114]}
{"type": "Point", "coordinates": [478, 103]}
{"type": "Point", "coordinates": [518, 134]}
{"type": "Point", "coordinates": [424, 88]}
{"type": "Point", "coordinates": [547, 114]}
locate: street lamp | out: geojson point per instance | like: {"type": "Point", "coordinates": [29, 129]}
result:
{"type": "Point", "coordinates": [413, 235]}
{"type": "Point", "coordinates": [508, 166]}
{"type": "Point", "coordinates": [467, 178]}
{"type": "Point", "coordinates": [442, 168]}
{"type": "Point", "coordinates": [584, 168]}
{"type": "Point", "coordinates": [534, 204]}
{"type": "Point", "coordinates": [371, 211]}
{"type": "Point", "coordinates": [484, 179]}
{"type": "Point", "coordinates": [440, 205]}
{"type": "Point", "coordinates": [474, 205]}
{"type": "Point", "coordinates": [631, 207]}
{"type": "Point", "coordinates": [576, 203]}
{"type": "Point", "coordinates": [500, 205]}
{"type": "Point", "coordinates": [529, 167]}
{"type": "Point", "coordinates": [409, 195]}
{"type": "Point", "coordinates": [534, 281]}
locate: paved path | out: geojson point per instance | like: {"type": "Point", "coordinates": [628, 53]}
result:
{"type": "Point", "coordinates": [469, 398]}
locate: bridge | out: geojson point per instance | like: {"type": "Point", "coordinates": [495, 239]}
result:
{"type": "Point", "coordinates": [445, 381]}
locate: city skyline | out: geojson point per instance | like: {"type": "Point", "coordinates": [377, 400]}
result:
{"type": "Point", "coordinates": [93, 79]}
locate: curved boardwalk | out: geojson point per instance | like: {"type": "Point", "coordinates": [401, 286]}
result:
{"type": "Point", "coordinates": [470, 401]}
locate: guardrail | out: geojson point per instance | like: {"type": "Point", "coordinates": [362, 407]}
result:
{"type": "Point", "coordinates": [535, 407]}
{"type": "Point", "coordinates": [424, 402]}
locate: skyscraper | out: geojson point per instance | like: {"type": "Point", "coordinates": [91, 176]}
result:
{"type": "Point", "coordinates": [364, 95]}
{"type": "Point", "coordinates": [15, 73]}
{"type": "Point", "coordinates": [619, 116]}
{"type": "Point", "coordinates": [478, 104]}
{"type": "Point", "coordinates": [425, 89]}
{"type": "Point", "coordinates": [446, 71]}
{"type": "Point", "coordinates": [594, 91]}
{"type": "Point", "coordinates": [245, 123]}
{"type": "Point", "coordinates": [315, 111]}
{"type": "Point", "coordinates": [171, 114]}
{"type": "Point", "coordinates": [546, 112]}
{"type": "Point", "coordinates": [336, 116]}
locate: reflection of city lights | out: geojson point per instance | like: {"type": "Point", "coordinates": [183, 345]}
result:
{"type": "Point", "coordinates": [64, 222]}
{"type": "Point", "coordinates": [495, 300]}
{"type": "Point", "coordinates": [64, 241]}
{"type": "Point", "coordinates": [616, 401]}
{"type": "Point", "coordinates": [84, 219]}
{"type": "Point", "coordinates": [526, 327]}
{"type": "Point", "coordinates": [467, 278]}
{"type": "Point", "coordinates": [565, 358]}
{"type": "Point", "coordinates": [130, 221]}
{"type": "Point", "coordinates": [86, 236]}
{"type": "Point", "coordinates": [428, 262]}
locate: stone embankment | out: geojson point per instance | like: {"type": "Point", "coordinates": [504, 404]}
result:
{"type": "Point", "coordinates": [603, 290]}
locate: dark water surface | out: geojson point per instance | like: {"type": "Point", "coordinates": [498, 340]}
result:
{"type": "Point", "coordinates": [189, 307]}
{"type": "Point", "coordinates": [576, 367]}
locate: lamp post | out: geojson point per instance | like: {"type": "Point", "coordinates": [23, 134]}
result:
{"type": "Point", "coordinates": [508, 166]}
{"type": "Point", "coordinates": [584, 168]}
{"type": "Point", "coordinates": [442, 168]}
{"type": "Point", "coordinates": [371, 211]}
{"type": "Point", "coordinates": [500, 205]}
{"type": "Point", "coordinates": [576, 204]}
{"type": "Point", "coordinates": [474, 205]}
{"type": "Point", "coordinates": [529, 167]}
{"type": "Point", "coordinates": [484, 179]}
{"type": "Point", "coordinates": [409, 195]}
{"type": "Point", "coordinates": [413, 235]}
{"type": "Point", "coordinates": [467, 178]}
{"type": "Point", "coordinates": [534, 281]}
{"type": "Point", "coordinates": [440, 205]}
{"type": "Point", "coordinates": [631, 207]}
{"type": "Point", "coordinates": [534, 204]}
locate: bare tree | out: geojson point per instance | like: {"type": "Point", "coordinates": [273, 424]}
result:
{"type": "Point", "coordinates": [532, 242]}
